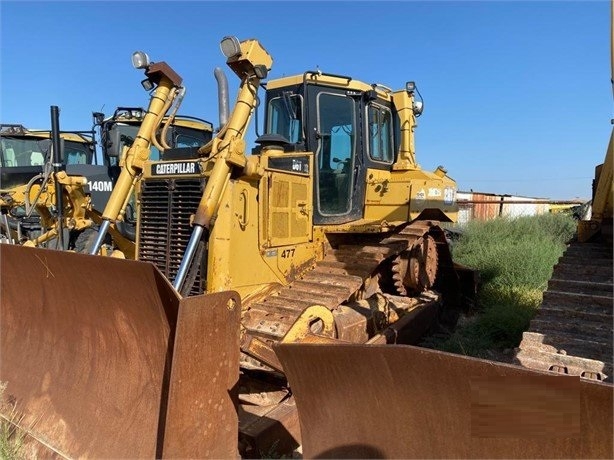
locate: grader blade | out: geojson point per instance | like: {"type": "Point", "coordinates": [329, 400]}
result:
{"type": "Point", "coordinates": [395, 401]}
{"type": "Point", "coordinates": [100, 358]}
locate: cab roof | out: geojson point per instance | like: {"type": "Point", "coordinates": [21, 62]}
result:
{"type": "Point", "coordinates": [180, 120]}
{"type": "Point", "coordinates": [325, 79]}
{"type": "Point", "coordinates": [21, 131]}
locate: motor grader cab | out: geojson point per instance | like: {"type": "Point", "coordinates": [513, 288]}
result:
{"type": "Point", "coordinates": [24, 152]}
{"type": "Point", "coordinates": [117, 134]}
{"type": "Point", "coordinates": [133, 135]}
{"type": "Point", "coordinates": [120, 130]}
{"type": "Point", "coordinates": [28, 183]}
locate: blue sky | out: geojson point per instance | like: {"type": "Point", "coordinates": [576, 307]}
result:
{"type": "Point", "coordinates": [517, 94]}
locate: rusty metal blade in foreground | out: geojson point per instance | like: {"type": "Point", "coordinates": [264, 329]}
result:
{"type": "Point", "coordinates": [86, 349]}
{"type": "Point", "coordinates": [395, 401]}
{"type": "Point", "coordinates": [202, 420]}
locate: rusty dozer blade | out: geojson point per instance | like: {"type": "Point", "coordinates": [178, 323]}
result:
{"type": "Point", "coordinates": [101, 358]}
{"type": "Point", "coordinates": [400, 401]}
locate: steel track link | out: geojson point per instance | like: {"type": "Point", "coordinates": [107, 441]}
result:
{"type": "Point", "coordinates": [333, 281]}
{"type": "Point", "coordinates": [572, 331]}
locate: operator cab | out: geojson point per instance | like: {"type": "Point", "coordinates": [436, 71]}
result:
{"type": "Point", "coordinates": [185, 134]}
{"type": "Point", "coordinates": [347, 124]}
{"type": "Point", "coordinates": [23, 152]}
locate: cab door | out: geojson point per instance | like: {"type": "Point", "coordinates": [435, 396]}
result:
{"type": "Point", "coordinates": [335, 137]}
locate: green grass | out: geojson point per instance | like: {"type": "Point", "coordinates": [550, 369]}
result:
{"type": "Point", "coordinates": [515, 259]}
{"type": "Point", "coordinates": [11, 440]}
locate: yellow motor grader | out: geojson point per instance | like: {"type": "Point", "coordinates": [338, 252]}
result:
{"type": "Point", "coordinates": [33, 206]}
{"type": "Point", "coordinates": [29, 186]}
{"type": "Point", "coordinates": [30, 183]}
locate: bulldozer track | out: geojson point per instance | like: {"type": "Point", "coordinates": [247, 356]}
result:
{"type": "Point", "coordinates": [331, 282]}
{"type": "Point", "coordinates": [572, 331]}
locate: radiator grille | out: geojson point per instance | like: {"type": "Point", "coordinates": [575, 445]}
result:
{"type": "Point", "coordinates": [164, 224]}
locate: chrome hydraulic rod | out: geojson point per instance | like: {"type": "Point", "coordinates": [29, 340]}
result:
{"type": "Point", "coordinates": [182, 272]}
{"type": "Point", "coordinates": [5, 223]}
{"type": "Point", "coordinates": [102, 232]}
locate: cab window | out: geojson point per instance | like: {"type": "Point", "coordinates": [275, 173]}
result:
{"type": "Point", "coordinates": [24, 151]}
{"type": "Point", "coordinates": [284, 117]}
{"type": "Point", "coordinates": [380, 131]}
{"type": "Point", "coordinates": [183, 141]}
{"type": "Point", "coordinates": [335, 152]}
{"type": "Point", "coordinates": [75, 153]}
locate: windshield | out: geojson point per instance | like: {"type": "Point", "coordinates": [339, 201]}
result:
{"type": "Point", "coordinates": [31, 151]}
{"type": "Point", "coordinates": [180, 137]}
{"type": "Point", "coordinates": [189, 137]}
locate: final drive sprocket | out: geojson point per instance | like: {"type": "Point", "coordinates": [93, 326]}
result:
{"type": "Point", "coordinates": [415, 269]}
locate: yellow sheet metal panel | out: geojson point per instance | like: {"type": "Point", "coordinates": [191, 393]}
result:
{"type": "Point", "coordinates": [287, 198]}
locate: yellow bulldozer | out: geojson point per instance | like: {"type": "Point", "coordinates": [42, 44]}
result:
{"type": "Point", "coordinates": [573, 330]}
{"type": "Point", "coordinates": [324, 243]}
{"type": "Point", "coordinates": [337, 222]}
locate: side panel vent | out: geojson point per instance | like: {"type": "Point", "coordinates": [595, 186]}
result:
{"type": "Point", "coordinates": [289, 208]}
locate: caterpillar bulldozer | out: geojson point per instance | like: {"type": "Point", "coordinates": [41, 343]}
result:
{"type": "Point", "coordinates": [337, 222]}
{"type": "Point", "coordinates": [325, 209]}
{"type": "Point", "coordinates": [573, 330]}
{"type": "Point", "coordinates": [325, 238]}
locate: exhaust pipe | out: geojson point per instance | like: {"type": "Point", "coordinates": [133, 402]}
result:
{"type": "Point", "coordinates": [222, 95]}
{"type": "Point", "coordinates": [57, 167]}
{"type": "Point", "coordinates": [223, 107]}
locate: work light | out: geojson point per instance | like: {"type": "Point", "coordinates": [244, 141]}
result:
{"type": "Point", "coordinates": [140, 60]}
{"type": "Point", "coordinates": [230, 47]}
